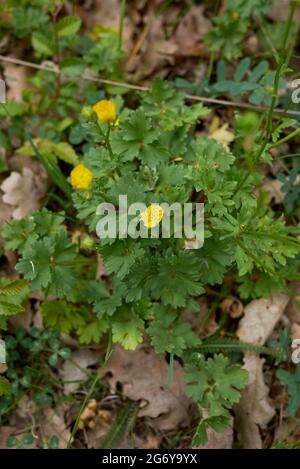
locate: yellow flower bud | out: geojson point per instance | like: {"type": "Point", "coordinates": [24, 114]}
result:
{"type": "Point", "coordinates": [86, 111]}
{"type": "Point", "coordinates": [88, 243]}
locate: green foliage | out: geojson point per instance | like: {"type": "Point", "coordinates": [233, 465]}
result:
{"type": "Point", "coordinates": [247, 9]}
{"type": "Point", "coordinates": [292, 381]}
{"type": "Point", "coordinates": [12, 295]}
{"type": "Point", "coordinates": [26, 355]}
{"type": "Point", "coordinates": [253, 84]}
{"type": "Point", "coordinates": [68, 317]}
{"type": "Point", "coordinates": [49, 263]}
{"type": "Point", "coordinates": [216, 386]}
{"type": "Point", "coordinates": [119, 427]}
{"type": "Point", "coordinates": [4, 386]}
{"type": "Point", "coordinates": [227, 35]}
{"type": "Point", "coordinates": [229, 30]}
{"type": "Point", "coordinates": [150, 286]}
{"type": "Point", "coordinates": [291, 187]}
{"type": "Point", "coordinates": [171, 334]}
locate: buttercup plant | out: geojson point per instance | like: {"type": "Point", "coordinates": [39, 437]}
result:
{"type": "Point", "coordinates": [153, 158]}
{"type": "Point", "coordinates": [149, 206]}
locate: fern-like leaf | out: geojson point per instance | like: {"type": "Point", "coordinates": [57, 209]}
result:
{"type": "Point", "coordinates": [216, 344]}
{"type": "Point", "coordinates": [119, 427]}
{"type": "Point", "coordinates": [14, 288]}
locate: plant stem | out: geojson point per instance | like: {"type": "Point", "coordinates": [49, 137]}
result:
{"type": "Point", "coordinates": [171, 370]}
{"type": "Point", "coordinates": [269, 126]}
{"type": "Point", "coordinates": [286, 138]}
{"type": "Point", "coordinates": [106, 138]}
{"type": "Point", "coordinates": [87, 397]}
{"type": "Point", "coordinates": [57, 50]}
{"type": "Point", "coordinates": [121, 24]}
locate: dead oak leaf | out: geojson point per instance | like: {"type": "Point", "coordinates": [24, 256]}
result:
{"type": "Point", "coordinates": [191, 30]}
{"type": "Point", "coordinates": [16, 81]}
{"type": "Point", "coordinates": [143, 376]}
{"type": "Point", "coordinates": [260, 318]}
{"type": "Point", "coordinates": [254, 409]}
{"type": "Point", "coordinates": [53, 423]}
{"type": "Point", "coordinates": [24, 192]}
{"type": "Point", "coordinates": [74, 370]}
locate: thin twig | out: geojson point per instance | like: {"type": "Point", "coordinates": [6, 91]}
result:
{"type": "Point", "coordinates": [220, 102]}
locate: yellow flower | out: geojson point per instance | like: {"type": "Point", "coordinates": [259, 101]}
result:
{"type": "Point", "coordinates": [81, 177]}
{"type": "Point", "coordinates": [105, 110]}
{"type": "Point", "coordinates": [152, 216]}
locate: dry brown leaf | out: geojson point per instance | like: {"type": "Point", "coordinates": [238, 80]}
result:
{"type": "Point", "coordinates": [24, 192]}
{"type": "Point", "coordinates": [233, 306]}
{"type": "Point", "coordinates": [5, 432]}
{"type": "Point", "coordinates": [96, 435]}
{"type": "Point", "coordinates": [101, 269]}
{"type": "Point", "coordinates": [155, 50]}
{"type": "Point", "coordinates": [107, 15]}
{"type": "Point", "coordinates": [9, 430]}
{"type": "Point", "coordinates": [280, 11]}
{"type": "Point", "coordinates": [53, 424]}
{"type": "Point", "coordinates": [5, 213]}
{"type": "Point", "coordinates": [260, 318]}
{"type": "Point", "coordinates": [293, 308]}
{"type": "Point", "coordinates": [273, 187]}
{"type": "Point", "coordinates": [190, 31]}
{"type": "Point", "coordinates": [143, 375]}
{"type": "Point", "coordinates": [23, 320]}
{"type": "Point", "coordinates": [16, 80]}
{"type": "Point", "coordinates": [75, 368]}
{"type": "Point", "coordinates": [151, 442]}
{"type": "Point", "coordinates": [254, 408]}
{"type": "Point", "coordinates": [295, 331]}
{"type": "Point", "coordinates": [26, 407]}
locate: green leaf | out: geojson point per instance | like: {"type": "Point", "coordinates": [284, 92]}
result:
{"type": "Point", "coordinates": [121, 256]}
{"type": "Point", "coordinates": [127, 329]}
{"type": "Point", "coordinates": [242, 68]}
{"type": "Point", "coordinates": [135, 135]}
{"type": "Point", "coordinates": [292, 381]}
{"type": "Point", "coordinates": [12, 294]}
{"type": "Point", "coordinates": [9, 309]}
{"type": "Point", "coordinates": [92, 332]}
{"type": "Point", "coordinates": [214, 383]}
{"type": "Point", "coordinates": [177, 278]}
{"type": "Point", "coordinates": [72, 66]}
{"type": "Point", "coordinates": [63, 316]}
{"type": "Point", "coordinates": [4, 386]}
{"type": "Point", "coordinates": [15, 288]}
{"type": "Point", "coordinates": [49, 263]}
{"type": "Point", "coordinates": [65, 152]}
{"type": "Point", "coordinates": [68, 25]}
{"type": "Point", "coordinates": [19, 234]}
{"type": "Point", "coordinates": [171, 334]}
{"type": "Point", "coordinates": [42, 44]}
{"type": "Point", "coordinates": [12, 109]}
